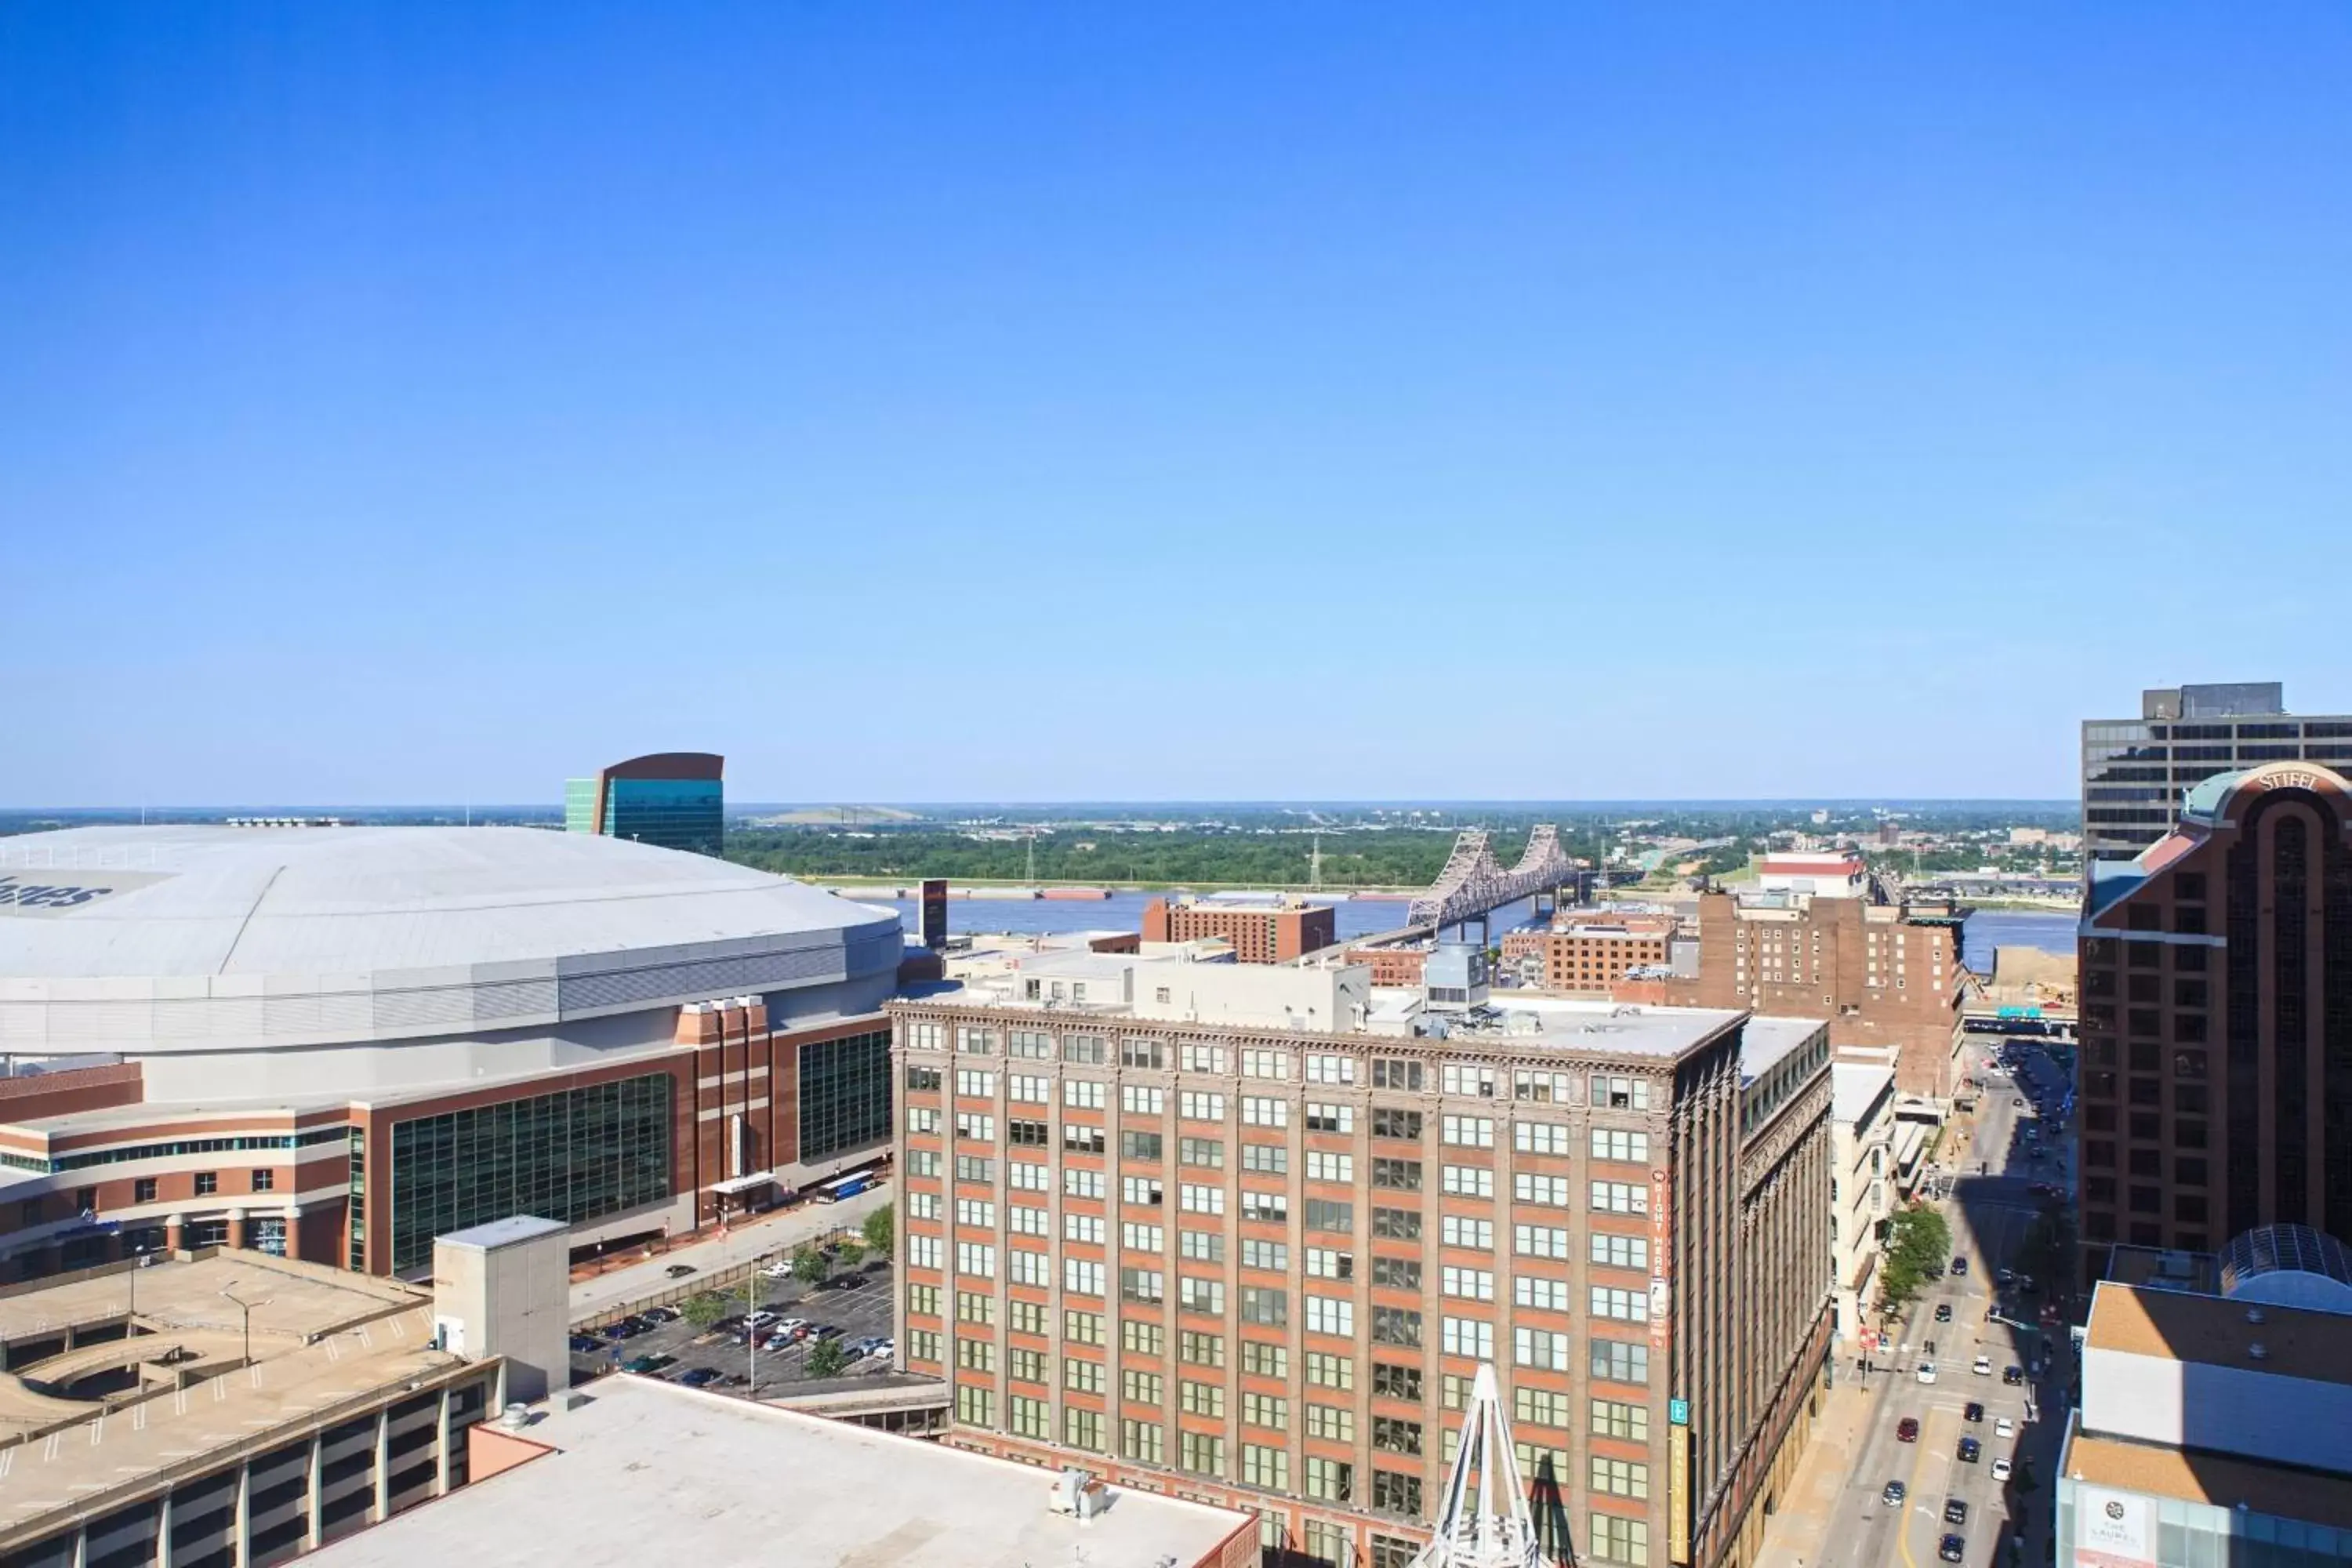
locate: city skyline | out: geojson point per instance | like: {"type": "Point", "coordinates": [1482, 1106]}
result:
{"type": "Point", "coordinates": [408, 404]}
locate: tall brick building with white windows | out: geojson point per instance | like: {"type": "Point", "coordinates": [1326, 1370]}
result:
{"type": "Point", "coordinates": [1259, 1260]}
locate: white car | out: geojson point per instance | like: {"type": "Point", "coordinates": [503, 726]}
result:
{"type": "Point", "coordinates": [781, 1269]}
{"type": "Point", "coordinates": [1926, 1372]}
{"type": "Point", "coordinates": [2000, 1469]}
{"type": "Point", "coordinates": [760, 1318]}
{"type": "Point", "coordinates": [2004, 1428]}
{"type": "Point", "coordinates": [1984, 1366]}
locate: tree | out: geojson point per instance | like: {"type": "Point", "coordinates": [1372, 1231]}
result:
{"type": "Point", "coordinates": [881, 1229]}
{"type": "Point", "coordinates": [705, 1308]}
{"type": "Point", "coordinates": [827, 1359]}
{"type": "Point", "coordinates": [848, 1254]}
{"type": "Point", "coordinates": [810, 1265]}
{"type": "Point", "coordinates": [1918, 1245]}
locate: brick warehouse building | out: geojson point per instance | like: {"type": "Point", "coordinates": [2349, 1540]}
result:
{"type": "Point", "coordinates": [335, 1042]}
{"type": "Point", "coordinates": [1260, 1265]}
{"type": "Point", "coordinates": [1264, 932]}
{"type": "Point", "coordinates": [1587, 949]}
{"type": "Point", "coordinates": [2215, 1071]}
{"type": "Point", "coordinates": [1884, 974]}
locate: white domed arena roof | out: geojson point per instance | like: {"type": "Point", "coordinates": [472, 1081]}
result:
{"type": "Point", "coordinates": [131, 938]}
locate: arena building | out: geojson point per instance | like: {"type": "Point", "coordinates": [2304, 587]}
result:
{"type": "Point", "coordinates": [336, 1043]}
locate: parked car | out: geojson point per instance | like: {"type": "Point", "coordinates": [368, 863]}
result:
{"type": "Point", "coordinates": [2012, 1375]}
{"type": "Point", "coordinates": [761, 1318]}
{"type": "Point", "coordinates": [2000, 1469]}
{"type": "Point", "coordinates": [1943, 1311]}
{"type": "Point", "coordinates": [679, 1270]}
{"type": "Point", "coordinates": [586, 1344]}
{"type": "Point", "coordinates": [1907, 1430]}
{"type": "Point", "coordinates": [884, 1349]}
{"type": "Point", "coordinates": [781, 1269]}
{"type": "Point", "coordinates": [1892, 1495]}
{"type": "Point", "coordinates": [1951, 1549]}
{"type": "Point", "coordinates": [1955, 1511]}
{"type": "Point", "coordinates": [2004, 1428]}
{"type": "Point", "coordinates": [661, 1314]}
{"type": "Point", "coordinates": [734, 1325]}
{"type": "Point", "coordinates": [1970, 1450]}
{"type": "Point", "coordinates": [1984, 1366]}
{"type": "Point", "coordinates": [646, 1365]}
{"type": "Point", "coordinates": [1959, 1266]}
{"type": "Point", "coordinates": [842, 1282]}
{"type": "Point", "coordinates": [626, 1328]}
{"type": "Point", "coordinates": [1926, 1372]}
{"type": "Point", "coordinates": [698, 1376]}
{"type": "Point", "coordinates": [865, 1347]}
{"type": "Point", "coordinates": [827, 1332]}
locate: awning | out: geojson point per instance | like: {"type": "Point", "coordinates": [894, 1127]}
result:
{"type": "Point", "coordinates": [734, 1185]}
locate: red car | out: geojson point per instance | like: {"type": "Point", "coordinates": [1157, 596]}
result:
{"type": "Point", "coordinates": [1907, 1430]}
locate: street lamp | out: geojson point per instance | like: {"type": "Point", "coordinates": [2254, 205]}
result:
{"type": "Point", "coordinates": [138, 1261]}
{"type": "Point", "coordinates": [246, 1308]}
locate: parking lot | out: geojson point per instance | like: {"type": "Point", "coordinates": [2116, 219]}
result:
{"type": "Point", "coordinates": [675, 1348]}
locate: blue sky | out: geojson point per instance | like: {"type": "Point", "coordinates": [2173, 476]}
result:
{"type": "Point", "coordinates": [419, 402]}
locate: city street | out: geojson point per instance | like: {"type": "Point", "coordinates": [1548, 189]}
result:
{"type": "Point", "coordinates": [1993, 1214]}
{"type": "Point", "coordinates": [764, 1235]}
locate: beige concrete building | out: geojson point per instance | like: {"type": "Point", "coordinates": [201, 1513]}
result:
{"type": "Point", "coordinates": [1211, 1235]}
{"type": "Point", "coordinates": [1861, 1135]}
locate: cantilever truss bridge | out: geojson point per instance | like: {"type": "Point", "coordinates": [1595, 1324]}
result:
{"type": "Point", "coordinates": [1473, 883]}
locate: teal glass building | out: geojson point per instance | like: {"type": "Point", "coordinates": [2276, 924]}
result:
{"type": "Point", "coordinates": [675, 800]}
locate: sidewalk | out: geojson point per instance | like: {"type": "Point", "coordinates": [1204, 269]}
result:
{"type": "Point", "coordinates": [762, 1236]}
{"type": "Point", "coordinates": [1799, 1531]}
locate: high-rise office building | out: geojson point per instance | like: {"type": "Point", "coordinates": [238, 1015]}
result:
{"type": "Point", "coordinates": [1238, 1233]}
{"type": "Point", "coordinates": [2135, 771]}
{"type": "Point", "coordinates": [2216, 1060]}
{"type": "Point", "coordinates": [674, 800]}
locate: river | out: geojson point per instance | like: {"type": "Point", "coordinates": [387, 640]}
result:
{"type": "Point", "coordinates": [2051, 931]}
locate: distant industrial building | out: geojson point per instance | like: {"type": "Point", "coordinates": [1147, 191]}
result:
{"type": "Point", "coordinates": [1590, 949]}
{"type": "Point", "coordinates": [1830, 874]}
{"type": "Point", "coordinates": [2136, 770]}
{"type": "Point", "coordinates": [1272, 931]}
{"type": "Point", "coordinates": [1886, 975]}
{"type": "Point", "coordinates": [2215, 1428]}
{"type": "Point", "coordinates": [2215, 1071]}
{"type": "Point", "coordinates": [671, 800]}
{"type": "Point", "coordinates": [1238, 1233]}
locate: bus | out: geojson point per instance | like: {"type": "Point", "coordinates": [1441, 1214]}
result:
{"type": "Point", "coordinates": [847, 1187]}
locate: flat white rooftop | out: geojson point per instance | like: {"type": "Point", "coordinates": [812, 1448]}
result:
{"type": "Point", "coordinates": [645, 1469]}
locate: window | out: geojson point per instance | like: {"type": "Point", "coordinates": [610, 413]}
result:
{"type": "Point", "coordinates": [1615, 1143]}
{"type": "Point", "coordinates": [1028, 1175]}
{"type": "Point", "coordinates": [1543, 1088]}
{"type": "Point", "coordinates": [1029, 1417]}
{"type": "Point", "coordinates": [1033, 1044]}
{"type": "Point", "coordinates": [925, 1037]}
{"type": "Point", "coordinates": [1322, 1067]}
{"type": "Point", "coordinates": [1459, 1079]}
{"type": "Point", "coordinates": [1082, 1377]}
{"type": "Point", "coordinates": [1196, 1199]}
{"type": "Point", "coordinates": [1620, 1251]}
{"type": "Point", "coordinates": [1540, 1240]}
{"type": "Point", "coordinates": [924, 1251]}
{"type": "Point", "coordinates": [1617, 1361]}
{"type": "Point", "coordinates": [1260, 1063]}
{"type": "Point", "coordinates": [1082, 1276]}
{"type": "Point", "coordinates": [1619, 1093]}
{"type": "Point", "coordinates": [1614, 1418]}
{"type": "Point", "coordinates": [923, 1345]}
{"type": "Point", "coordinates": [1083, 1328]}
{"type": "Point", "coordinates": [1265, 1466]}
{"type": "Point", "coordinates": [1321, 1167]}
{"type": "Point", "coordinates": [1396, 1326]}
{"type": "Point", "coordinates": [207, 1183]}
{"type": "Point", "coordinates": [974, 1042]}
{"type": "Point", "coordinates": [1322, 1118]}
{"type": "Point", "coordinates": [1141, 1440]}
{"type": "Point", "coordinates": [1079, 1184]}
{"type": "Point", "coordinates": [923, 1301]}
{"type": "Point", "coordinates": [1618, 1541]}
{"type": "Point", "coordinates": [1400, 1175]}
{"type": "Point", "coordinates": [1396, 1273]}
{"type": "Point", "coordinates": [1329, 1315]}
{"type": "Point", "coordinates": [1620, 1478]}
{"type": "Point", "coordinates": [1262, 1360]}
{"type": "Point", "coordinates": [1199, 1348]}
{"type": "Point", "coordinates": [1329, 1214]}
{"type": "Point", "coordinates": [1272, 1208]}
{"type": "Point", "coordinates": [976, 1258]}
{"type": "Point", "coordinates": [1202, 1398]}
{"type": "Point", "coordinates": [1471, 1337]}
{"type": "Point", "coordinates": [1397, 1224]}
{"type": "Point", "coordinates": [1397, 1494]}
{"type": "Point", "coordinates": [1550, 1191]}
{"type": "Point", "coordinates": [1135, 1053]}
{"type": "Point", "coordinates": [142, 1190]}
{"type": "Point", "coordinates": [1147, 1285]}
{"type": "Point", "coordinates": [1539, 1138]}
{"type": "Point", "coordinates": [1331, 1422]}
{"type": "Point", "coordinates": [1540, 1408]}
{"type": "Point", "coordinates": [1620, 1197]}
{"type": "Point", "coordinates": [1332, 1480]}
{"type": "Point", "coordinates": [1539, 1348]}
{"type": "Point", "coordinates": [1625, 1306]}
{"type": "Point", "coordinates": [1201, 1246]}
{"type": "Point", "coordinates": [1396, 1072]}
{"type": "Point", "coordinates": [974, 1168]}
{"type": "Point", "coordinates": [1197, 1105]}
{"type": "Point", "coordinates": [1469, 1181]}
{"type": "Point", "coordinates": [1266, 1410]}
{"type": "Point", "coordinates": [976, 1355]}
{"type": "Point", "coordinates": [1262, 1304]}
{"type": "Point", "coordinates": [1086, 1049]}
{"type": "Point", "coordinates": [971, 1083]}
{"type": "Point", "coordinates": [1090, 1228]}
{"type": "Point", "coordinates": [1544, 1295]}
{"type": "Point", "coordinates": [1200, 1454]}
{"type": "Point", "coordinates": [1325, 1370]}
{"type": "Point", "coordinates": [1202, 1058]}
{"type": "Point", "coordinates": [1142, 1192]}
{"type": "Point", "coordinates": [1325, 1263]}
{"type": "Point", "coordinates": [1209, 1152]}
{"type": "Point", "coordinates": [1139, 1146]}
{"type": "Point", "coordinates": [1273, 1159]}
{"type": "Point", "coordinates": [1082, 1429]}
{"type": "Point", "coordinates": [1207, 1296]}
{"type": "Point", "coordinates": [975, 1406]}
{"type": "Point", "coordinates": [1469, 1284]}
{"type": "Point", "coordinates": [1263, 1111]}
{"type": "Point", "coordinates": [1405, 1125]}
{"type": "Point", "coordinates": [1456, 1230]}
{"type": "Point", "coordinates": [1273, 1255]}
{"type": "Point", "coordinates": [1142, 1100]}
{"type": "Point", "coordinates": [1468, 1131]}
{"type": "Point", "coordinates": [1140, 1237]}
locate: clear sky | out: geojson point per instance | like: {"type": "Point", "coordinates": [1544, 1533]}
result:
{"type": "Point", "coordinates": [428, 402]}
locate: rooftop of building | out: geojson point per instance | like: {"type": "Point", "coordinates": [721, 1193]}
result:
{"type": "Point", "coordinates": [1767, 1040]}
{"type": "Point", "coordinates": [1855, 1087]}
{"type": "Point", "coordinates": [2219, 1331]}
{"type": "Point", "coordinates": [638, 1463]}
{"type": "Point", "coordinates": [231, 908]}
{"type": "Point", "coordinates": [2218, 1481]}
{"type": "Point", "coordinates": [320, 1339]}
